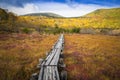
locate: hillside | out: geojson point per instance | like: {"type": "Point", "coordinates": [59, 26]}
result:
{"type": "Point", "coordinates": [105, 13]}
{"type": "Point", "coordinates": [100, 19]}
{"type": "Point", "coordinates": [8, 21]}
{"type": "Point", "coordinates": [44, 14]}
{"type": "Point", "coordinates": [3, 14]}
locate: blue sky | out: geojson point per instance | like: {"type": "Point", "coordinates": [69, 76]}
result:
{"type": "Point", "coordinates": [68, 8]}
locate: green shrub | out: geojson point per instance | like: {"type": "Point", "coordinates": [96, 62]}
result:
{"type": "Point", "coordinates": [26, 30]}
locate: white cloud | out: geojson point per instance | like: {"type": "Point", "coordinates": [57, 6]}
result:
{"type": "Point", "coordinates": [58, 8]}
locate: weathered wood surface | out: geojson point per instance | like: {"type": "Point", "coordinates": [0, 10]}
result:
{"type": "Point", "coordinates": [49, 67]}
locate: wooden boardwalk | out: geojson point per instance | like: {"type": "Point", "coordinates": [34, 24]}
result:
{"type": "Point", "coordinates": [50, 67]}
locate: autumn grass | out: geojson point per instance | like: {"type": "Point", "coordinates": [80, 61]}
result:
{"type": "Point", "coordinates": [92, 57]}
{"type": "Point", "coordinates": [19, 54]}
{"type": "Point", "coordinates": [88, 57]}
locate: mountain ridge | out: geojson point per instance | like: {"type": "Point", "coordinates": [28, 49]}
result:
{"type": "Point", "coordinates": [104, 13]}
{"type": "Point", "coordinates": [112, 12]}
{"type": "Point", "coordinates": [46, 14]}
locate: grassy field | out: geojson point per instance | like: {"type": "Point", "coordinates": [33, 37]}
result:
{"type": "Point", "coordinates": [92, 57]}
{"type": "Point", "coordinates": [19, 54]}
{"type": "Point", "coordinates": [88, 57]}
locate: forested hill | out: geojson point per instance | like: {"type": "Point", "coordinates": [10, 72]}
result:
{"type": "Point", "coordinates": [5, 15]}
{"type": "Point", "coordinates": [53, 15]}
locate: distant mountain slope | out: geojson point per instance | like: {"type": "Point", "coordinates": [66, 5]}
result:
{"type": "Point", "coordinates": [44, 14]}
{"type": "Point", "coordinates": [106, 13]}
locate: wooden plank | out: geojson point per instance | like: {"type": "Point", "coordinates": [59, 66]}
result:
{"type": "Point", "coordinates": [57, 74]}
{"type": "Point", "coordinates": [56, 58]}
{"type": "Point", "coordinates": [41, 74]}
{"type": "Point", "coordinates": [57, 55]}
{"type": "Point", "coordinates": [49, 69]}
{"type": "Point", "coordinates": [50, 58]}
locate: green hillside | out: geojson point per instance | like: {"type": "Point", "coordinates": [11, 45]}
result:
{"type": "Point", "coordinates": [105, 13]}
{"type": "Point", "coordinates": [44, 14]}
{"type": "Point", "coordinates": [49, 22]}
